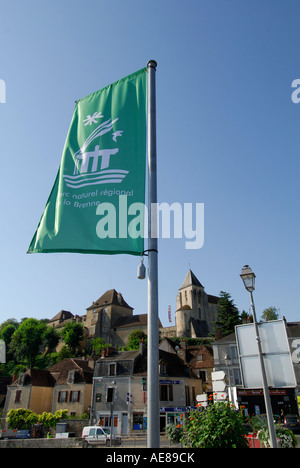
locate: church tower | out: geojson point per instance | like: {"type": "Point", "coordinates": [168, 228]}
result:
{"type": "Point", "coordinates": [196, 310]}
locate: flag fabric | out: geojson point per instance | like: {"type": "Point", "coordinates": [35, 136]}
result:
{"type": "Point", "coordinates": [169, 314]}
{"type": "Point", "coordinates": [96, 203]}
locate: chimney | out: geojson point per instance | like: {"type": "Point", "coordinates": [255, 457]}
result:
{"type": "Point", "coordinates": [142, 346]}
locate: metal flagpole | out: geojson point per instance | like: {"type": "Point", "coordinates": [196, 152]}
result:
{"type": "Point", "coordinates": [153, 432]}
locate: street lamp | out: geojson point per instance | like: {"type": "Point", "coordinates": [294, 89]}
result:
{"type": "Point", "coordinates": [228, 362]}
{"type": "Point", "coordinates": [248, 278]}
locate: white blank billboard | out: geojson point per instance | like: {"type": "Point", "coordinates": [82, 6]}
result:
{"type": "Point", "coordinates": [276, 355]}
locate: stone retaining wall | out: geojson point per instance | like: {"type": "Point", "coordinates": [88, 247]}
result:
{"type": "Point", "coordinates": [72, 442]}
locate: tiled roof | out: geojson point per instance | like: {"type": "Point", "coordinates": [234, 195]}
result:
{"type": "Point", "coordinates": [83, 373]}
{"type": "Point", "coordinates": [62, 315]}
{"type": "Point", "coordinates": [108, 298]}
{"type": "Point", "coordinates": [37, 378]}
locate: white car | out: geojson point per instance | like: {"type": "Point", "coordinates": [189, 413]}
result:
{"type": "Point", "coordinates": [97, 435]}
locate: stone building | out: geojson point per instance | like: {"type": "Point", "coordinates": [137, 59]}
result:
{"type": "Point", "coordinates": [196, 311]}
{"type": "Point", "coordinates": [111, 318]}
{"type": "Point", "coordinates": [120, 390]}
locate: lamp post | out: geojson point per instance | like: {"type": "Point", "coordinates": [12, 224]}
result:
{"type": "Point", "coordinates": [228, 361]}
{"type": "Point", "coordinates": [248, 278]}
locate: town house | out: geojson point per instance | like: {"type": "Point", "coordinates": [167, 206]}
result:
{"type": "Point", "coordinates": [119, 397]}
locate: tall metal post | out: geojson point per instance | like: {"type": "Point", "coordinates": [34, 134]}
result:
{"type": "Point", "coordinates": [267, 398]}
{"type": "Point", "coordinates": [153, 427]}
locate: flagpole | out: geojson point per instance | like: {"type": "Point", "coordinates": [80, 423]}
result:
{"type": "Point", "coordinates": [153, 427]}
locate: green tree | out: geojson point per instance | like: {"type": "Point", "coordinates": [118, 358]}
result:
{"type": "Point", "coordinates": [21, 418]}
{"type": "Point", "coordinates": [246, 318]}
{"type": "Point", "coordinates": [271, 313]}
{"type": "Point", "coordinates": [217, 426]}
{"type": "Point", "coordinates": [50, 420]}
{"type": "Point", "coordinates": [98, 344]}
{"type": "Point", "coordinates": [6, 332]}
{"type": "Point", "coordinates": [27, 341]}
{"type": "Point", "coordinates": [227, 316]}
{"type": "Point", "coordinates": [51, 338]}
{"type": "Point", "coordinates": [72, 335]}
{"type": "Point", "coordinates": [10, 321]}
{"type": "Point", "coordinates": [134, 339]}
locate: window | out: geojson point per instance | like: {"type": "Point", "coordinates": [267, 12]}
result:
{"type": "Point", "coordinates": [187, 396]}
{"type": "Point", "coordinates": [110, 395]}
{"type": "Point", "coordinates": [62, 397]}
{"type": "Point", "coordinates": [199, 357]}
{"type": "Point", "coordinates": [237, 377]}
{"type": "Point", "coordinates": [163, 369]}
{"type": "Point", "coordinates": [18, 396]}
{"type": "Point", "coordinates": [105, 421]}
{"type": "Point", "coordinates": [71, 376]}
{"type": "Point", "coordinates": [138, 420]}
{"type": "Point", "coordinates": [194, 395]}
{"type": "Point", "coordinates": [166, 392]}
{"type": "Point", "coordinates": [112, 369]}
{"type": "Point", "coordinates": [74, 396]}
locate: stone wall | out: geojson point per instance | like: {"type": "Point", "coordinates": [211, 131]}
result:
{"type": "Point", "coordinates": [72, 442]}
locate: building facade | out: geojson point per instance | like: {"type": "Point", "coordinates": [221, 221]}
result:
{"type": "Point", "coordinates": [64, 386]}
{"type": "Point", "coordinates": [119, 397]}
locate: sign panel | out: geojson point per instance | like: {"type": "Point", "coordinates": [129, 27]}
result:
{"type": "Point", "coordinates": [218, 375]}
{"type": "Point", "coordinates": [276, 355]}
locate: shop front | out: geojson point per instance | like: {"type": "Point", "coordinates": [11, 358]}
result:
{"type": "Point", "coordinates": [173, 415]}
{"type": "Point", "coordinates": [283, 401]}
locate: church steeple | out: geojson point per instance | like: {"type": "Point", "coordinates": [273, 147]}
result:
{"type": "Point", "coordinates": [190, 280]}
{"type": "Point", "coordinates": [195, 311]}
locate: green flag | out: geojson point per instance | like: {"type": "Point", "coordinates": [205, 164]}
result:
{"type": "Point", "coordinates": [96, 203]}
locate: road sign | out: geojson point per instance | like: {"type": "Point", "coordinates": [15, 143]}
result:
{"type": "Point", "coordinates": [202, 399]}
{"type": "Point", "coordinates": [218, 375]}
{"type": "Point", "coordinates": [219, 384]}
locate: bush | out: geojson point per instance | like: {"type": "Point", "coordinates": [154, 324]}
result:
{"type": "Point", "coordinates": [174, 433]}
{"type": "Point", "coordinates": [21, 418]}
{"type": "Point", "coordinates": [286, 438]}
{"type": "Point", "coordinates": [217, 426]}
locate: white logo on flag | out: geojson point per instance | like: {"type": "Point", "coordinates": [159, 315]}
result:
{"type": "Point", "coordinates": [95, 172]}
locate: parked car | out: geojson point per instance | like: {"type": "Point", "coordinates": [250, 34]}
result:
{"type": "Point", "coordinates": [16, 434]}
{"type": "Point", "coordinates": [24, 434]}
{"type": "Point", "coordinates": [292, 423]}
{"type": "Point", "coordinates": [97, 435]}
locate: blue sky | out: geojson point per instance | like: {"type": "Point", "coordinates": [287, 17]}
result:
{"type": "Point", "coordinates": [227, 136]}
